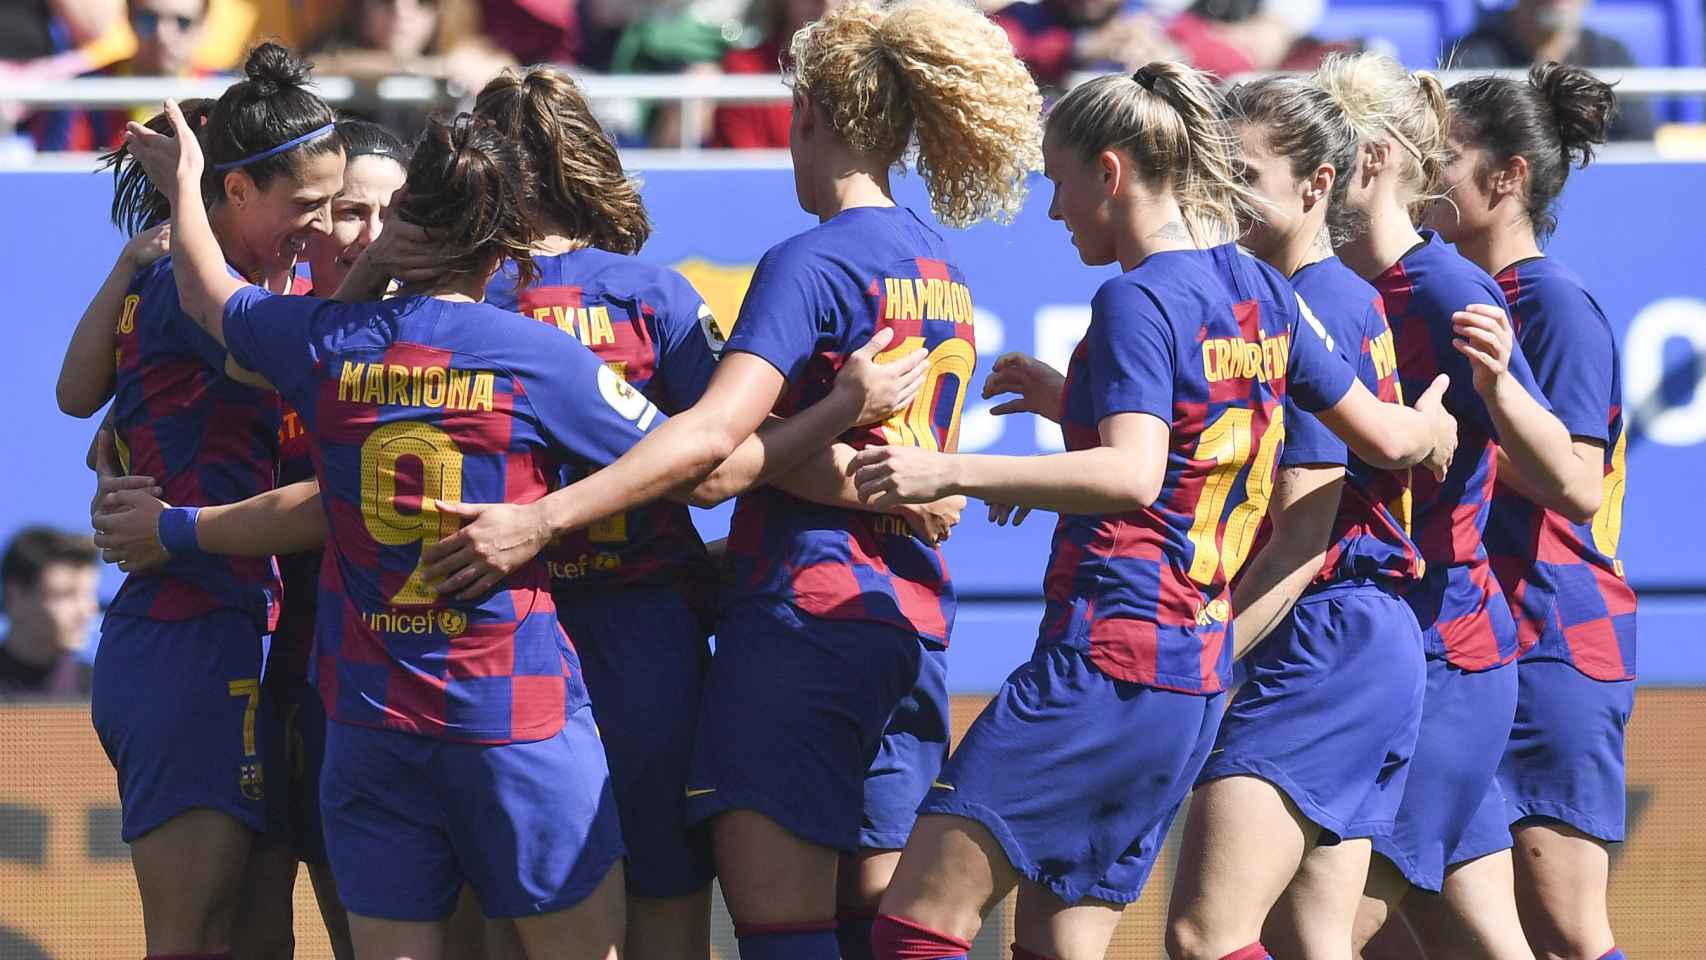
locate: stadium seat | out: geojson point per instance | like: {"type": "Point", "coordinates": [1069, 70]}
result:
{"type": "Point", "coordinates": [1455, 17]}
{"type": "Point", "coordinates": [1658, 33]}
{"type": "Point", "coordinates": [1410, 31]}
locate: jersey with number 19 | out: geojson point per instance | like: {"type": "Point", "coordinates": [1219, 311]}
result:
{"type": "Point", "coordinates": [415, 400]}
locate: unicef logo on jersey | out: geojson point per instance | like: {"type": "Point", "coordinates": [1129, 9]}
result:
{"type": "Point", "coordinates": [452, 623]}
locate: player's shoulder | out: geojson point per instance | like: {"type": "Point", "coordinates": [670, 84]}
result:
{"type": "Point", "coordinates": [1546, 291]}
{"type": "Point", "coordinates": [1449, 280]}
{"type": "Point", "coordinates": [1345, 303]}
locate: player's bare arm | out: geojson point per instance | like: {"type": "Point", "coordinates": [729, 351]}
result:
{"type": "Point", "coordinates": [1304, 506]}
{"type": "Point", "coordinates": [87, 374]}
{"type": "Point", "coordinates": [1392, 436]}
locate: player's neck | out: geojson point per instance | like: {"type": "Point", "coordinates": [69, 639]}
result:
{"type": "Point", "coordinates": [851, 185]}
{"type": "Point", "coordinates": [1151, 225]}
{"type": "Point", "coordinates": [1309, 245]}
{"type": "Point", "coordinates": [1390, 235]}
{"type": "Point", "coordinates": [1494, 250]}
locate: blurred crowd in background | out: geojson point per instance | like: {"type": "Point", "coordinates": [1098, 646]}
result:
{"type": "Point", "coordinates": [465, 42]}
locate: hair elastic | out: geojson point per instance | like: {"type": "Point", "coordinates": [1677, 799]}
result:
{"type": "Point", "coordinates": [1145, 78]}
{"type": "Point", "coordinates": [275, 151]}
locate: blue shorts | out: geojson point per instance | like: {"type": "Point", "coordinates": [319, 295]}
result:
{"type": "Point", "coordinates": [832, 728]}
{"type": "Point", "coordinates": [1565, 757]}
{"type": "Point", "coordinates": [177, 707]}
{"type": "Point", "coordinates": [299, 718]}
{"type": "Point", "coordinates": [645, 654]}
{"type": "Point", "coordinates": [531, 826]}
{"type": "Point", "coordinates": [1453, 810]}
{"type": "Point", "coordinates": [1330, 709]}
{"type": "Point", "coordinates": [1078, 775]}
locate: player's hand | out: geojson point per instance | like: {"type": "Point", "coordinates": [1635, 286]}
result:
{"type": "Point", "coordinates": [404, 252]}
{"type": "Point", "coordinates": [109, 475]}
{"type": "Point", "coordinates": [882, 386]}
{"type": "Point", "coordinates": [1432, 403]}
{"type": "Point", "coordinates": [174, 162]}
{"type": "Point", "coordinates": [496, 539]}
{"type": "Point", "coordinates": [1040, 387]}
{"type": "Point", "coordinates": [933, 522]}
{"type": "Point", "coordinates": [127, 530]}
{"type": "Point", "coordinates": [886, 477]}
{"type": "Point", "coordinates": [1001, 513]}
{"type": "Point", "coordinates": [1484, 335]}
{"type": "Point", "coordinates": [149, 245]}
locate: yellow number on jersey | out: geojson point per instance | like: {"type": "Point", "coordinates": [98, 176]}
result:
{"type": "Point", "coordinates": [441, 479]}
{"type": "Point", "coordinates": [913, 427]}
{"type": "Point", "coordinates": [1226, 441]}
{"type": "Point", "coordinates": [1608, 521]}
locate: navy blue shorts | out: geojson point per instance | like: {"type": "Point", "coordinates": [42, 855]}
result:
{"type": "Point", "coordinates": [832, 728]}
{"type": "Point", "coordinates": [177, 707]}
{"type": "Point", "coordinates": [1453, 810]}
{"type": "Point", "coordinates": [1330, 709]}
{"type": "Point", "coordinates": [1078, 775]}
{"type": "Point", "coordinates": [409, 819]}
{"type": "Point", "coordinates": [645, 655]}
{"type": "Point", "coordinates": [1565, 757]}
{"type": "Point", "coordinates": [299, 719]}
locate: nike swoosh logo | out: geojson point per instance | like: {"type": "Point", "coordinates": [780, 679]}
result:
{"type": "Point", "coordinates": [939, 785]}
{"type": "Point", "coordinates": [692, 792]}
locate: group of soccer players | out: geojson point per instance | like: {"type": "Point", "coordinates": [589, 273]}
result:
{"type": "Point", "coordinates": [490, 686]}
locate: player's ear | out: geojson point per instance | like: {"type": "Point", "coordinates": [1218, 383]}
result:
{"type": "Point", "coordinates": [1510, 179]}
{"type": "Point", "coordinates": [239, 189]}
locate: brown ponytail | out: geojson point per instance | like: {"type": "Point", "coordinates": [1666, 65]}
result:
{"type": "Point", "coordinates": [468, 187]}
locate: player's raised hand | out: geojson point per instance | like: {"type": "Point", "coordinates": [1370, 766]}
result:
{"type": "Point", "coordinates": [496, 539]}
{"type": "Point", "coordinates": [173, 162]}
{"type": "Point", "coordinates": [933, 522]}
{"type": "Point", "coordinates": [405, 252]}
{"type": "Point", "coordinates": [1039, 386]}
{"type": "Point", "coordinates": [882, 385]}
{"type": "Point", "coordinates": [1001, 513]}
{"type": "Point", "coordinates": [1484, 335]}
{"type": "Point", "coordinates": [889, 476]}
{"type": "Point", "coordinates": [1432, 403]}
{"type": "Point", "coordinates": [149, 245]}
{"type": "Point", "coordinates": [127, 530]}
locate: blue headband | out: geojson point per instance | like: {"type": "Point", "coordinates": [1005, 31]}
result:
{"type": "Point", "coordinates": [275, 151]}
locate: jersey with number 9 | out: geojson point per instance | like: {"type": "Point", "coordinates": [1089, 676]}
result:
{"type": "Point", "coordinates": [412, 401]}
{"type": "Point", "coordinates": [1209, 342]}
{"type": "Point", "coordinates": [814, 299]}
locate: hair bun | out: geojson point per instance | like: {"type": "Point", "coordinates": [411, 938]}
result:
{"type": "Point", "coordinates": [1582, 106]}
{"type": "Point", "coordinates": [272, 68]}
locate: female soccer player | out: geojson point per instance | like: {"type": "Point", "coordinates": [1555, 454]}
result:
{"type": "Point", "coordinates": [1513, 144]}
{"type": "Point", "coordinates": [176, 698]}
{"type": "Point", "coordinates": [824, 716]}
{"type": "Point", "coordinates": [1314, 748]}
{"type": "Point", "coordinates": [1171, 415]}
{"type": "Point", "coordinates": [1451, 834]}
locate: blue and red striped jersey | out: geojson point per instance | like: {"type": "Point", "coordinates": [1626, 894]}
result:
{"type": "Point", "coordinates": [205, 438]}
{"type": "Point", "coordinates": [648, 324]}
{"type": "Point", "coordinates": [410, 401]}
{"type": "Point", "coordinates": [1563, 579]}
{"type": "Point", "coordinates": [1421, 292]}
{"type": "Point", "coordinates": [1210, 342]}
{"type": "Point", "coordinates": [1370, 538]}
{"type": "Point", "coordinates": [814, 299]}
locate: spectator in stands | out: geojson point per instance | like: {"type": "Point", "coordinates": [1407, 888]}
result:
{"type": "Point", "coordinates": [433, 38]}
{"type": "Point", "coordinates": [753, 126]}
{"type": "Point", "coordinates": [48, 578]}
{"type": "Point", "coordinates": [1535, 31]}
{"type": "Point", "coordinates": [167, 32]}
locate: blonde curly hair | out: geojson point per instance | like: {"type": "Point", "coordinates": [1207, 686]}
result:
{"type": "Point", "coordinates": [937, 71]}
{"type": "Point", "coordinates": [1384, 101]}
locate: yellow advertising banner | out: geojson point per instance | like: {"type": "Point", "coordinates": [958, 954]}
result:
{"type": "Point", "coordinates": [66, 890]}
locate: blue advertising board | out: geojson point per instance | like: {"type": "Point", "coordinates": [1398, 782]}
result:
{"type": "Point", "coordinates": [1623, 228]}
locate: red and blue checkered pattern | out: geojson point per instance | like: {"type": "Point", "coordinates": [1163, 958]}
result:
{"type": "Point", "coordinates": [1421, 292]}
{"type": "Point", "coordinates": [650, 326]}
{"type": "Point", "coordinates": [1146, 592]}
{"type": "Point", "coordinates": [814, 299]}
{"type": "Point", "coordinates": [416, 399]}
{"type": "Point", "coordinates": [205, 438]}
{"type": "Point", "coordinates": [1563, 579]}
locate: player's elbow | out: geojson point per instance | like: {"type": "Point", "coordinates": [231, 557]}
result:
{"type": "Point", "coordinates": [1581, 501]}
{"type": "Point", "coordinates": [76, 402]}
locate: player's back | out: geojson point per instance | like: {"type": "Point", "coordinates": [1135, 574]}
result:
{"type": "Point", "coordinates": [205, 439]}
{"type": "Point", "coordinates": [814, 299]}
{"type": "Point", "coordinates": [649, 325]}
{"type": "Point", "coordinates": [1371, 534]}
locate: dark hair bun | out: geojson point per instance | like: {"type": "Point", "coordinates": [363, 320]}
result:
{"type": "Point", "coordinates": [1582, 106]}
{"type": "Point", "coordinates": [272, 68]}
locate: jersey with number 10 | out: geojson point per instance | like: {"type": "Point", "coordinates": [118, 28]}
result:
{"type": "Point", "coordinates": [651, 327]}
{"type": "Point", "coordinates": [1563, 579]}
{"type": "Point", "coordinates": [1210, 342]}
{"type": "Point", "coordinates": [205, 438]}
{"type": "Point", "coordinates": [411, 401]}
{"type": "Point", "coordinates": [814, 299]}
{"type": "Point", "coordinates": [1421, 292]}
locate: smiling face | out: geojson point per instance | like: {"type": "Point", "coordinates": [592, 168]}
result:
{"type": "Point", "coordinates": [357, 219]}
{"type": "Point", "coordinates": [278, 221]}
{"type": "Point", "coordinates": [1080, 201]}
